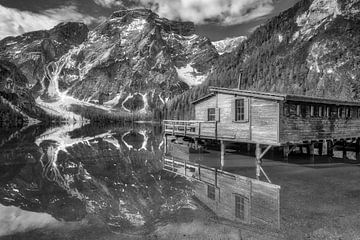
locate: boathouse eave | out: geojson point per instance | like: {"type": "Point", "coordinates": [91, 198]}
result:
{"type": "Point", "coordinates": [246, 93]}
{"type": "Point", "coordinates": [280, 97]}
{"type": "Point", "coordinates": [203, 98]}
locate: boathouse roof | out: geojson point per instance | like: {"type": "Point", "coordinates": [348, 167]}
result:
{"type": "Point", "coordinates": [276, 96]}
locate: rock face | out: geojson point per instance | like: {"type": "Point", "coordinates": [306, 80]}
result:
{"type": "Point", "coordinates": [133, 62]}
{"type": "Point", "coordinates": [136, 55]}
{"type": "Point", "coordinates": [310, 49]}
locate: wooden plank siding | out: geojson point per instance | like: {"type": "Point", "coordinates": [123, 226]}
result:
{"type": "Point", "coordinates": [264, 116]}
{"type": "Point", "coordinates": [294, 128]}
{"type": "Point", "coordinates": [262, 125]}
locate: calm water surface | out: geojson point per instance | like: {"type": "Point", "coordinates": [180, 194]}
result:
{"type": "Point", "coordinates": [89, 182]}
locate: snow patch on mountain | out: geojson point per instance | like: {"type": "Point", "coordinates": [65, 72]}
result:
{"type": "Point", "coordinates": [228, 45]}
{"type": "Point", "coordinates": [190, 75]}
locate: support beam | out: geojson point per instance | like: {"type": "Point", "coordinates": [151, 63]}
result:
{"type": "Point", "coordinates": [223, 148]}
{"type": "Point", "coordinates": [196, 144]}
{"type": "Point", "coordinates": [286, 151]}
{"type": "Point", "coordinates": [357, 148]}
{"type": "Point", "coordinates": [311, 152]}
{"type": "Point", "coordinates": [259, 155]}
{"type": "Point", "coordinates": [258, 160]}
{"type": "Point", "coordinates": [330, 148]}
{"type": "Point", "coordinates": [248, 147]}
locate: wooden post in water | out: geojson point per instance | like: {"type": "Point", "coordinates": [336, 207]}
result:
{"type": "Point", "coordinates": [258, 160]}
{"type": "Point", "coordinates": [222, 153]}
{"type": "Point", "coordinates": [357, 148]}
{"type": "Point", "coordinates": [311, 152]}
{"type": "Point", "coordinates": [286, 152]}
{"type": "Point", "coordinates": [248, 146]}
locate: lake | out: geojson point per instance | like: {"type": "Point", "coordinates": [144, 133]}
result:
{"type": "Point", "coordinates": [90, 182]}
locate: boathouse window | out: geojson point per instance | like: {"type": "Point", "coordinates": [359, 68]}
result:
{"type": "Point", "coordinates": [211, 192]}
{"type": "Point", "coordinates": [298, 110]}
{"type": "Point", "coordinates": [321, 114]}
{"type": "Point", "coordinates": [347, 112]}
{"type": "Point", "coordinates": [328, 111]}
{"type": "Point", "coordinates": [312, 111]}
{"type": "Point", "coordinates": [241, 109]}
{"type": "Point", "coordinates": [340, 112]}
{"type": "Point", "coordinates": [240, 207]}
{"type": "Point", "coordinates": [211, 114]}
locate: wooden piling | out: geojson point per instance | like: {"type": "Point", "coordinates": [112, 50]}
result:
{"type": "Point", "coordinates": [286, 151]}
{"type": "Point", "coordinates": [222, 143]}
{"type": "Point", "coordinates": [258, 160]}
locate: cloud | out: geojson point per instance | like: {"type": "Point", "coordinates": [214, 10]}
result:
{"type": "Point", "coordinates": [108, 3]}
{"type": "Point", "coordinates": [15, 22]}
{"type": "Point", "coordinates": [226, 12]}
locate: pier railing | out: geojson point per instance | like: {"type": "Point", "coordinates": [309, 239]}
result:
{"type": "Point", "coordinates": [191, 128]}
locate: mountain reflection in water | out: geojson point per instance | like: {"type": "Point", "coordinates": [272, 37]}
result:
{"type": "Point", "coordinates": [106, 180]}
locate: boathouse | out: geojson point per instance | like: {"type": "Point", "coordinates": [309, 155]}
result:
{"type": "Point", "coordinates": [270, 119]}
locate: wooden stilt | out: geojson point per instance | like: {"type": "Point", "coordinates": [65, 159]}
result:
{"type": "Point", "coordinates": [196, 144]}
{"type": "Point", "coordinates": [330, 148]}
{"type": "Point", "coordinates": [258, 160]}
{"type": "Point", "coordinates": [311, 152]}
{"type": "Point", "coordinates": [324, 148]}
{"type": "Point", "coordinates": [320, 147]}
{"type": "Point", "coordinates": [248, 147]}
{"type": "Point", "coordinates": [344, 148]}
{"type": "Point", "coordinates": [357, 149]}
{"type": "Point", "coordinates": [286, 151]}
{"type": "Point", "coordinates": [222, 154]}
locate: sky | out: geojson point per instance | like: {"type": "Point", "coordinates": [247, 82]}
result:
{"type": "Point", "coordinates": [216, 19]}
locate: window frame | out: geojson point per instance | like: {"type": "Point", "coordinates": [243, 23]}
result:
{"type": "Point", "coordinates": [211, 192]}
{"type": "Point", "coordinates": [213, 115]}
{"type": "Point", "coordinates": [240, 207]}
{"type": "Point", "coordinates": [245, 110]}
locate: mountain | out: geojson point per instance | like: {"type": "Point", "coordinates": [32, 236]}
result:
{"type": "Point", "coordinates": [310, 49]}
{"type": "Point", "coordinates": [228, 45]}
{"type": "Point", "coordinates": [131, 63]}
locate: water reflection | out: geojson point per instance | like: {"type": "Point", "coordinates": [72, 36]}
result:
{"type": "Point", "coordinates": [104, 176]}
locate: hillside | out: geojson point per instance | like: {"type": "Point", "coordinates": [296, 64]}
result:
{"type": "Point", "coordinates": [310, 49]}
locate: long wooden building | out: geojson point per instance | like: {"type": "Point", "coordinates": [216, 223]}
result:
{"type": "Point", "coordinates": [269, 119]}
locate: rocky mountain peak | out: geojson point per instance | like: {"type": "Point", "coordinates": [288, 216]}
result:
{"type": "Point", "coordinates": [176, 27]}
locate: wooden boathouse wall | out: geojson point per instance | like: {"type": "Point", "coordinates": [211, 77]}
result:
{"type": "Point", "coordinates": [296, 127]}
{"type": "Point", "coordinates": [262, 124]}
{"type": "Point", "coordinates": [260, 200]}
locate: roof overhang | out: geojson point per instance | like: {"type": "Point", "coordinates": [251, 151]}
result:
{"type": "Point", "coordinates": [276, 97]}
